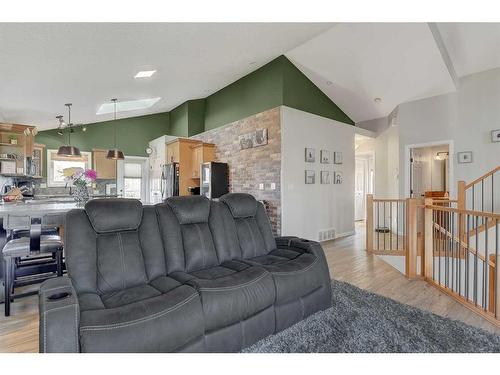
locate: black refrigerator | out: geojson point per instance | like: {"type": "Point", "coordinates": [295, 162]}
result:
{"type": "Point", "coordinates": [214, 180]}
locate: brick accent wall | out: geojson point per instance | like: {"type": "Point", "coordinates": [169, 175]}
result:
{"type": "Point", "coordinates": [251, 167]}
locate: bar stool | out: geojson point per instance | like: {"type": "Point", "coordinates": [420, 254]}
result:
{"type": "Point", "coordinates": [18, 250]}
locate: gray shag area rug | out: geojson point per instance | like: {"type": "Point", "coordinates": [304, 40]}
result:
{"type": "Point", "coordinates": [360, 321]}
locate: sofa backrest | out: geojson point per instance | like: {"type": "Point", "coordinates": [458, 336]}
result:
{"type": "Point", "coordinates": [186, 234]}
{"type": "Point", "coordinates": [255, 236]}
{"type": "Point", "coordinates": [113, 244]}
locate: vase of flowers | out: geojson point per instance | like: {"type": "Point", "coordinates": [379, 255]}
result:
{"type": "Point", "coordinates": [81, 179]}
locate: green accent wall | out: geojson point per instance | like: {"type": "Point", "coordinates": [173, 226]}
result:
{"type": "Point", "coordinates": [277, 83]}
{"type": "Point", "coordinates": [301, 93]}
{"type": "Point", "coordinates": [256, 92]}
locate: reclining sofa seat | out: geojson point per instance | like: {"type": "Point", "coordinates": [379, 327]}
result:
{"type": "Point", "coordinates": [125, 302]}
{"type": "Point", "coordinates": [298, 266]}
{"type": "Point", "coordinates": [186, 275]}
{"type": "Point", "coordinates": [237, 298]}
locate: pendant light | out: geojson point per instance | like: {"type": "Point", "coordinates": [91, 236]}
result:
{"type": "Point", "coordinates": [114, 153]}
{"type": "Point", "coordinates": [69, 150]}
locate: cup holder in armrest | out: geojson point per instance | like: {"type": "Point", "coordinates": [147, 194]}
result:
{"type": "Point", "coordinates": [59, 296]}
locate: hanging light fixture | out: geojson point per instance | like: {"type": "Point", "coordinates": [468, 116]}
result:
{"type": "Point", "coordinates": [114, 153]}
{"type": "Point", "coordinates": [68, 150]}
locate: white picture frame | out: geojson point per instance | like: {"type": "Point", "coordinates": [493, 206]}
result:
{"type": "Point", "coordinates": [325, 177]}
{"type": "Point", "coordinates": [310, 155]}
{"type": "Point", "coordinates": [325, 157]}
{"type": "Point", "coordinates": [310, 177]}
{"type": "Point", "coordinates": [464, 157]}
{"type": "Point", "coordinates": [337, 157]}
{"type": "Point", "coordinates": [495, 135]}
{"type": "Point", "coordinates": [338, 178]}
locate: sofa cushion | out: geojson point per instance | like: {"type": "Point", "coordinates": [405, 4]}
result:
{"type": "Point", "coordinates": [295, 274]}
{"type": "Point", "coordinates": [241, 205]}
{"type": "Point", "coordinates": [114, 214]}
{"type": "Point", "coordinates": [229, 296]}
{"type": "Point", "coordinates": [130, 295]}
{"type": "Point", "coordinates": [157, 324]}
{"type": "Point", "coordinates": [191, 209]}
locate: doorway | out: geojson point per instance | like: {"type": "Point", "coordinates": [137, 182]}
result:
{"type": "Point", "coordinates": [429, 171]}
{"type": "Point", "coordinates": [132, 178]}
{"type": "Point", "coordinates": [364, 174]}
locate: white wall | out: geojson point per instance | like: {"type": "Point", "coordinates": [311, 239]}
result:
{"type": "Point", "coordinates": [465, 117]}
{"type": "Point", "coordinates": [307, 209]}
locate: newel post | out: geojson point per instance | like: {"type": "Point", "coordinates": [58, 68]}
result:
{"type": "Point", "coordinates": [411, 238]}
{"type": "Point", "coordinates": [461, 196]}
{"type": "Point", "coordinates": [369, 222]}
{"type": "Point", "coordinates": [428, 252]}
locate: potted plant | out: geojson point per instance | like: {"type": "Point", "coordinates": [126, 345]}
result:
{"type": "Point", "coordinates": [81, 179]}
{"type": "Point", "coordinates": [13, 140]}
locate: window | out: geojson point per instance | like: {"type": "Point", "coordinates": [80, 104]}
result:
{"type": "Point", "coordinates": [132, 180]}
{"type": "Point", "coordinates": [56, 164]}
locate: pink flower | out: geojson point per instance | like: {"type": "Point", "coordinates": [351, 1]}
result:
{"type": "Point", "coordinates": [91, 174]}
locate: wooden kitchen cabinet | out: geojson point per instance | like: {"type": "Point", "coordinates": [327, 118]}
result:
{"type": "Point", "coordinates": [105, 168]}
{"type": "Point", "coordinates": [202, 153]}
{"type": "Point", "coordinates": [173, 151]}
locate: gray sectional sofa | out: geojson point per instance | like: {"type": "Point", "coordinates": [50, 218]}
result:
{"type": "Point", "coordinates": [187, 275]}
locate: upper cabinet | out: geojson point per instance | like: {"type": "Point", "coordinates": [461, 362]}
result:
{"type": "Point", "coordinates": [16, 145]}
{"type": "Point", "coordinates": [201, 153]}
{"type": "Point", "coordinates": [105, 168]}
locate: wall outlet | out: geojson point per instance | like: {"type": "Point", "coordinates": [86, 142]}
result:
{"type": "Point", "coordinates": [261, 186]}
{"type": "Point", "coordinates": [273, 186]}
{"type": "Point", "coordinates": [43, 185]}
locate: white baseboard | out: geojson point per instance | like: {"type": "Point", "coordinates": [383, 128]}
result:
{"type": "Point", "coordinates": [345, 234]}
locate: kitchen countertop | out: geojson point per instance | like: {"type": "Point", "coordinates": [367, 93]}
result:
{"type": "Point", "coordinates": [36, 207]}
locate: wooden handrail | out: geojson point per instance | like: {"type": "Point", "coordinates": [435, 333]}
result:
{"type": "Point", "coordinates": [491, 215]}
{"type": "Point", "coordinates": [388, 200]}
{"type": "Point", "coordinates": [486, 175]}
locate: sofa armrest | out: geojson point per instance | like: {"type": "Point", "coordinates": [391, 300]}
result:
{"type": "Point", "coordinates": [300, 244]}
{"type": "Point", "coordinates": [59, 316]}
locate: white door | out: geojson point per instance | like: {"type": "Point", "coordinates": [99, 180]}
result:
{"type": "Point", "coordinates": [133, 178]}
{"type": "Point", "coordinates": [360, 179]}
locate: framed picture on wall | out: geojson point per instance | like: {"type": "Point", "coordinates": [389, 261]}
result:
{"type": "Point", "coordinates": [337, 157]}
{"type": "Point", "coordinates": [310, 177]}
{"type": "Point", "coordinates": [337, 177]}
{"type": "Point", "coordinates": [325, 157]}
{"type": "Point", "coordinates": [495, 135]}
{"type": "Point", "coordinates": [464, 157]}
{"type": "Point", "coordinates": [325, 177]}
{"type": "Point", "coordinates": [310, 155]}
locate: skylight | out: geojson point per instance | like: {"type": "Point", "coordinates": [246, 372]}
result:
{"type": "Point", "coordinates": [145, 74]}
{"type": "Point", "coordinates": [129, 105]}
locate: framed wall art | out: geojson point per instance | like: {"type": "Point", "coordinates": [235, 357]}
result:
{"type": "Point", "coordinates": [464, 157]}
{"type": "Point", "coordinates": [310, 177]}
{"type": "Point", "coordinates": [325, 177]}
{"type": "Point", "coordinates": [325, 157]}
{"type": "Point", "coordinates": [310, 155]}
{"type": "Point", "coordinates": [337, 157]}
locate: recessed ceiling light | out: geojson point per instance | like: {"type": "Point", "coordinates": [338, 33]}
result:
{"type": "Point", "coordinates": [145, 74]}
{"type": "Point", "coordinates": [377, 100]}
{"type": "Point", "coordinates": [328, 83]}
{"type": "Point", "coordinates": [130, 105]}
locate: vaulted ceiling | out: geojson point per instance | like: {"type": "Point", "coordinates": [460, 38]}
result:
{"type": "Point", "coordinates": [44, 66]}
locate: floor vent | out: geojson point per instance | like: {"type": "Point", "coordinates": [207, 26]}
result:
{"type": "Point", "coordinates": [326, 235]}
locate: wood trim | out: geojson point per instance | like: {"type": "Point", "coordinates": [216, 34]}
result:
{"type": "Point", "coordinates": [480, 229]}
{"type": "Point", "coordinates": [428, 253]}
{"type": "Point", "coordinates": [486, 175]}
{"type": "Point", "coordinates": [460, 299]}
{"type": "Point", "coordinates": [369, 222]}
{"type": "Point", "coordinates": [491, 215]}
{"type": "Point", "coordinates": [388, 200]}
{"type": "Point", "coordinates": [412, 238]}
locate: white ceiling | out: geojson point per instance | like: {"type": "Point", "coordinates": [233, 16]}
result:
{"type": "Point", "coordinates": [473, 47]}
{"type": "Point", "coordinates": [44, 66]}
{"type": "Point", "coordinates": [394, 62]}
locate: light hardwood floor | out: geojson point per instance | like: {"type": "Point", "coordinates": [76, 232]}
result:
{"type": "Point", "coordinates": [348, 262]}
